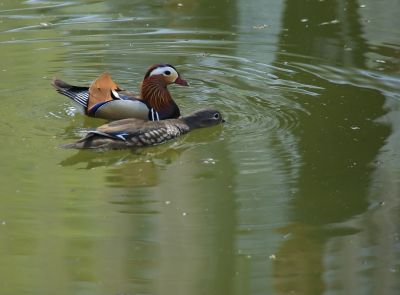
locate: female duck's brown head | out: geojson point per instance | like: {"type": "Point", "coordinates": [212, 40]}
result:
{"type": "Point", "coordinates": [154, 91]}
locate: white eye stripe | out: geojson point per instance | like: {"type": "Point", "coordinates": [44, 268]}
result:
{"type": "Point", "coordinates": [162, 70]}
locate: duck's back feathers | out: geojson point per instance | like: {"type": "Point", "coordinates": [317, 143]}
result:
{"type": "Point", "coordinates": [129, 133]}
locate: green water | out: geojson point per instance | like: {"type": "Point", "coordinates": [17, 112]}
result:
{"type": "Point", "coordinates": [298, 194]}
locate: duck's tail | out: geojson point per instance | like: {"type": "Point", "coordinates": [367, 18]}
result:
{"type": "Point", "coordinates": [77, 93]}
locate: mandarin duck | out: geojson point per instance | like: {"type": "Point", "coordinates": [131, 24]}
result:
{"type": "Point", "coordinates": [133, 132]}
{"type": "Point", "coordinates": [105, 99]}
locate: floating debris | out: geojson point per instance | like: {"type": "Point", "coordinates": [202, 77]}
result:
{"type": "Point", "coordinates": [260, 26]}
{"type": "Point", "coordinates": [209, 161]}
{"type": "Point", "coordinates": [287, 236]}
{"type": "Point", "coordinates": [54, 115]}
{"type": "Point", "coordinates": [332, 22]}
{"type": "Point", "coordinates": [45, 25]}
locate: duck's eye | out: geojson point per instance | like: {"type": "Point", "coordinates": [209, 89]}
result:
{"type": "Point", "coordinates": [216, 115]}
{"type": "Point", "coordinates": [167, 73]}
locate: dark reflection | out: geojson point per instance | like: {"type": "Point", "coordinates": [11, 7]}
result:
{"type": "Point", "coordinates": [338, 138]}
{"type": "Point", "coordinates": [328, 30]}
{"type": "Point", "coordinates": [176, 14]}
{"type": "Point", "coordinates": [339, 141]}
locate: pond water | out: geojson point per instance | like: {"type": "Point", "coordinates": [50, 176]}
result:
{"type": "Point", "coordinates": [299, 193]}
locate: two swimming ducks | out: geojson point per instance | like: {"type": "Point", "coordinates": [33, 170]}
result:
{"type": "Point", "coordinates": [151, 118]}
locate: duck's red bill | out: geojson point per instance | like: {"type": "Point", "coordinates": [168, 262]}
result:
{"type": "Point", "coordinates": [181, 81]}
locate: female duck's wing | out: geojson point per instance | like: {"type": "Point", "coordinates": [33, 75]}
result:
{"type": "Point", "coordinates": [110, 136]}
{"type": "Point", "coordinates": [130, 133]}
{"type": "Point", "coordinates": [125, 128]}
{"type": "Point", "coordinates": [133, 133]}
{"type": "Point", "coordinates": [143, 133]}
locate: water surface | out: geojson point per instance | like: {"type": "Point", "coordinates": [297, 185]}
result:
{"type": "Point", "coordinates": [298, 194]}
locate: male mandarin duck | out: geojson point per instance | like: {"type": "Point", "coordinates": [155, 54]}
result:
{"type": "Point", "coordinates": [105, 99]}
{"type": "Point", "coordinates": [132, 132]}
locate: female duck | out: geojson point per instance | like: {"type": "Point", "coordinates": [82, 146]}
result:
{"type": "Point", "coordinates": [130, 133]}
{"type": "Point", "coordinates": [105, 99]}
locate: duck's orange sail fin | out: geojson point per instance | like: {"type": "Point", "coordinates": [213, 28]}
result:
{"type": "Point", "coordinates": [101, 90]}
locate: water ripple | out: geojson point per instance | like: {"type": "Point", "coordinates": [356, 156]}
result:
{"type": "Point", "coordinates": [354, 76]}
{"type": "Point", "coordinates": [255, 99]}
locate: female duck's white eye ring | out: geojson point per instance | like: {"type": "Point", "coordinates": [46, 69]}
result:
{"type": "Point", "coordinates": [216, 115]}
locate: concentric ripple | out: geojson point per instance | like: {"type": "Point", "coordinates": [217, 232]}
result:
{"type": "Point", "coordinates": [253, 97]}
